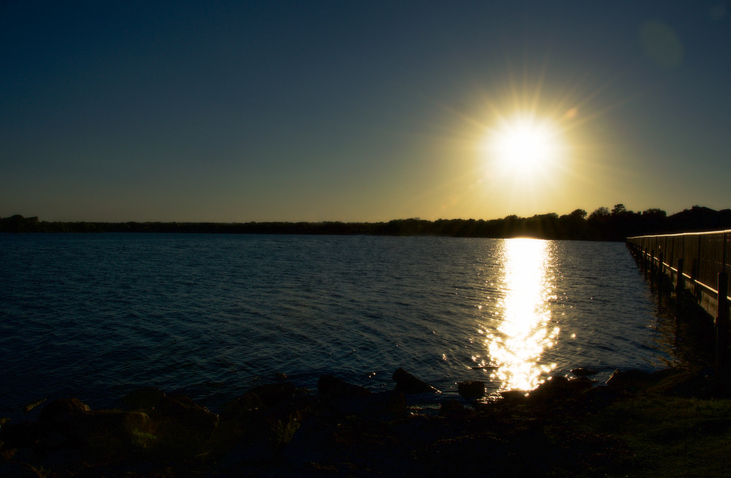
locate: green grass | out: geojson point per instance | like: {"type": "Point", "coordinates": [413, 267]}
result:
{"type": "Point", "coordinates": [669, 436]}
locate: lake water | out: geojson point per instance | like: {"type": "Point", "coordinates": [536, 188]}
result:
{"type": "Point", "coordinates": [95, 316]}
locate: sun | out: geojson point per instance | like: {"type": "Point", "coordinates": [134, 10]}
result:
{"type": "Point", "coordinates": [524, 145]}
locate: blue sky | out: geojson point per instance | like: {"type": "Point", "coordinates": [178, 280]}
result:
{"type": "Point", "coordinates": [359, 111]}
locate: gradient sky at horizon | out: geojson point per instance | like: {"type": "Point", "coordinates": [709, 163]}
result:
{"type": "Point", "coordinates": [358, 111]}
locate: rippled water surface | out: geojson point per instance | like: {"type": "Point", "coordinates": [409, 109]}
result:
{"type": "Point", "coordinates": [96, 315]}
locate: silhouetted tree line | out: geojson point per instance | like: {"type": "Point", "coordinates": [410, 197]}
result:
{"type": "Point", "coordinates": [601, 225]}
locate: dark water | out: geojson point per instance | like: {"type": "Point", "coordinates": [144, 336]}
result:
{"type": "Point", "coordinates": [95, 316]}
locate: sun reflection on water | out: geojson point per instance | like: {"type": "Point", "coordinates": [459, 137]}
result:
{"type": "Point", "coordinates": [525, 331]}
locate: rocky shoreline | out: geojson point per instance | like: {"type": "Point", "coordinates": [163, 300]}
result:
{"type": "Point", "coordinates": [342, 429]}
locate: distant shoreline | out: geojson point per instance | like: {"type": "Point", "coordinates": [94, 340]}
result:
{"type": "Point", "coordinates": [601, 225]}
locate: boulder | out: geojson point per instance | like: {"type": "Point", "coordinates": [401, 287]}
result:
{"type": "Point", "coordinates": [333, 388]}
{"type": "Point", "coordinates": [14, 469]}
{"type": "Point", "coordinates": [31, 406]}
{"type": "Point", "coordinates": [408, 384]}
{"type": "Point", "coordinates": [698, 382]}
{"type": "Point", "coordinates": [69, 424]}
{"type": "Point", "coordinates": [601, 396]}
{"type": "Point", "coordinates": [312, 442]}
{"type": "Point", "coordinates": [471, 390]}
{"type": "Point", "coordinates": [20, 435]}
{"type": "Point", "coordinates": [513, 395]}
{"type": "Point", "coordinates": [170, 423]}
{"type": "Point", "coordinates": [240, 406]}
{"type": "Point", "coordinates": [104, 433]}
{"type": "Point", "coordinates": [60, 408]}
{"type": "Point", "coordinates": [581, 383]}
{"type": "Point", "coordinates": [144, 398]}
{"type": "Point", "coordinates": [245, 459]}
{"type": "Point", "coordinates": [450, 406]}
{"type": "Point", "coordinates": [260, 422]}
{"type": "Point", "coordinates": [388, 402]}
{"type": "Point", "coordinates": [274, 393]}
{"type": "Point", "coordinates": [630, 380]}
{"type": "Point", "coordinates": [188, 414]}
{"type": "Point", "coordinates": [556, 387]}
{"type": "Point", "coordinates": [455, 409]}
{"type": "Point", "coordinates": [583, 372]}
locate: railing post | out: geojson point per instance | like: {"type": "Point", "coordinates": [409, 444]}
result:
{"type": "Point", "coordinates": [644, 260]}
{"type": "Point", "coordinates": [679, 286]}
{"type": "Point", "coordinates": [694, 278]}
{"type": "Point", "coordinates": [722, 319]}
{"type": "Point", "coordinates": [652, 266]}
{"type": "Point", "coordinates": [660, 271]}
{"type": "Point", "coordinates": [699, 292]}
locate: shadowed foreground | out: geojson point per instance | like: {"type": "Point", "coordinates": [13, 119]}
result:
{"type": "Point", "coordinates": [673, 422]}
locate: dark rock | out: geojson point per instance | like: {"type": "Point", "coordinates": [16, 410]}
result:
{"type": "Point", "coordinates": [631, 380]}
{"type": "Point", "coordinates": [659, 375]}
{"type": "Point", "coordinates": [21, 435]}
{"type": "Point", "coordinates": [556, 387]}
{"type": "Point", "coordinates": [179, 429]}
{"type": "Point", "coordinates": [450, 406]}
{"type": "Point", "coordinates": [455, 409]}
{"type": "Point", "coordinates": [31, 406]}
{"type": "Point", "coordinates": [144, 398]}
{"type": "Point", "coordinates": [389, 402]}
{"type": "Point", "coordinates": [111, 422]}
{"type": "Point", "coordinates": [311, 442]}
{"type": "Point", "coordinates": [244, 455]}
{"type": "Point", "coordinates": [602, 392]}
{"type": "Point", "coordinates": [601, 397]}
{"type": "Point", "coordinates": [513, 395]}
{"type": "Point", "coordinates": [186, 412]}
{"type": "Point", "coordinates": [408, 384]}
{"type": "Point", "coordinates": [101, 433]}
{"type": "Point", "coordinates": [60, 408]}
{"type": "Point", "coordinates": [12, 469]}
{"type": "Point", "coordinates": [332, 388]}
{"type": "Point", "coordinates": [245, 427]}
{"type": "Point", "coordinates": [241, 406]}
{"type": "Point", "coordinates": [53, 441]}
{"type": "Point", "coordinates": [62, 458]}
{"type": "Point", "coordinates": [274, 393]}
{"type": "Point", "coordinates": [68, 424]}
{"type": "Point", "coordinates": [471, 390]}
{"type": "Point", "coordinates": [173, 425]}
{"type": "Point", "coordinates": [583, 372]}
{"type": "Point", "coordinates": [581, 383]}
{"type": "Point", "coordinates": [698, 383]}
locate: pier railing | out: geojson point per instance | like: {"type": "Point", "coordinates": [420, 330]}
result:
{"type": "Point", "coordinates": [698, 262]}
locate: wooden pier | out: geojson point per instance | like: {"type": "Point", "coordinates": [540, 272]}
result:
{"type": "Point", "coordinates": [695, 264]}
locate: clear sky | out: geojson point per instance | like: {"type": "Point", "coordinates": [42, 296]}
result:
{"type": "Point", "coordinates": [361, 111]}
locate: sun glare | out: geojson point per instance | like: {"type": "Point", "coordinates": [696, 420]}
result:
{"type": "Point", "coordinates": [526, 149]}
{"type": "Point", "coordinates": [526, 331]}
{"type": "Point", "coordinates": [524, 146]}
